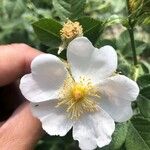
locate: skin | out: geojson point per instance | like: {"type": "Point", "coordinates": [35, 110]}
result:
{"type": "Point", "coordinates": [19, 130]}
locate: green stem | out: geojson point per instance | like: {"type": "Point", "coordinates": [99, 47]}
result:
{"type": "Point", "coordinates": [131, 34]}
{"type": "Point", "coordinates": [136, 73]}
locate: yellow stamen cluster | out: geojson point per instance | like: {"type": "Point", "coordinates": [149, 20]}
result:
{"type": "Point", "coordinates": [71, 30]}
{"type": "Point", "coordinates": [78, 98]}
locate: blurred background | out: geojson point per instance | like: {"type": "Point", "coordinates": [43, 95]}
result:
{"type": "Point", "coordinates": [16, 17]}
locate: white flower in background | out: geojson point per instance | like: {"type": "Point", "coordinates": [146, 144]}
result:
{"type": "Point", "coordinates": [87, 97]}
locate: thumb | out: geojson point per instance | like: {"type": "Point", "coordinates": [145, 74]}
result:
{"type": "Point", "coordinates": [21, 130]}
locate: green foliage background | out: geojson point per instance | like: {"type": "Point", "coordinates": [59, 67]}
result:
{"type": "Point", "coordinates": [111, 25]}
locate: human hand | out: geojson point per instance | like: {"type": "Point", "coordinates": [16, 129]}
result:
{"type": "Point", "coordinates": [19, 130]}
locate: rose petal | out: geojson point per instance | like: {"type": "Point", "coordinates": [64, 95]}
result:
{"type": "Point", "coordinates": [117, 92]}
{"type": "Point", "coordinates": [85, 60]}
{"type": "Point", "coordinates": [94, 130]}
{"type": "Point", "coordinates": [54, 120]}
{"type": "Point", "coordinates": [48, 75]}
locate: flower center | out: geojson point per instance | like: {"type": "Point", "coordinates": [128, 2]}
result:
{"type": "Point", "coordinates": [78, 98]}
{"type": "Point", "coordinates": [78, 92]}
{"type": "Point", "coordinates": [71, 30]}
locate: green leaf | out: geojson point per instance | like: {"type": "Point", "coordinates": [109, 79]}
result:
{"type": "Point", "coordinates": [141, 12]}
{"type": "Point", "coordinates": [138, 134]}
{"type": "Point", "coordinates": [144, 106]}
{"type": "Point", "coordinates": [144, 19]}
{"type": "Point", "coordinates": [124, 45]}
{"type": "Point", "coordinates": [92, 28]}
{"type": "Point", "coordinates": [119, 136]}
{"type": "Point", "coordinates": [114, 19]}
{"type": "Point", "coordinates": [134, 5]}
{"type": "Point", "coordinates": [144, 101]}
{"type": "Point", "coordinates": [71, 9]}
{"type": "Point", "coordinates": [47, 30]}
{"type": "Point", "coordinates": [145, 66]}
{"type": "Point", "coordinates": [146, 92]}
{"type": "Point", "coordinates": [102, 42]}
{"type": "Point", "coordinates": [54, 52]}
{"type": "Point", "coordinates": [140, 47]}
{"type": "Point", "coordinates": [123, 40]}
{"type": "Point", "coordinates": [55, 142]}
{"type": "Point", "coordinates": [144, 80]}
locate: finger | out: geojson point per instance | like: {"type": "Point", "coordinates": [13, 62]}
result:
{"type": "Point", "coordinates": [15, 60]}
{"type": "Point", "coordinates": [21, 129]}
{"type": "Point", "coordinates": [1, 123]}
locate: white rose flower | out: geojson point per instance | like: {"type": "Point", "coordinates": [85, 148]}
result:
{"type": "Point", "coordinates": [86, 97]}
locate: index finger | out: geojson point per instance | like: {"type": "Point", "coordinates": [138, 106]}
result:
{"type": "Point", "coordinates": [15, 60]}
